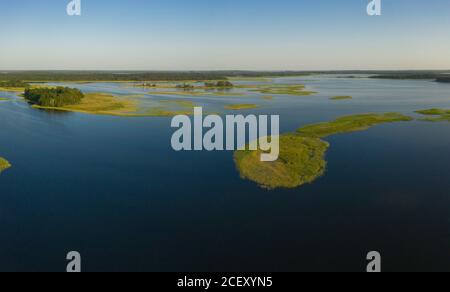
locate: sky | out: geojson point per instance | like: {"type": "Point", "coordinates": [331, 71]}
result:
{"type": "Point", "coordinates": [224, 35]}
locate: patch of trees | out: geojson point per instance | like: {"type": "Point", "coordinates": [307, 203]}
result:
{"type": "Point", "coordinates": [54, 97]}
{"type": "Point", "coordinates": [13, 84]}
{"type": "Point", "coordinates": [221, 84]}
{"type": "Point", "coordinates": [185, 86]}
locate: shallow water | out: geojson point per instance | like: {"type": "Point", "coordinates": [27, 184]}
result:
{"type": "Point", "coordinates": [112, 189]}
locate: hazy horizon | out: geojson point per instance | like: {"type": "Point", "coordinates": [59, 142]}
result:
{"type": "Point", "coordinates": [174, 35]}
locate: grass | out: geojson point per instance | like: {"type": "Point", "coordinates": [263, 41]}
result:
{"type": "Point", "coordinates": [3, 99]}
{"type": "Point", "coordinates": [4, 164]}
{"type": "Point", "coordinates": [435, 115]}
{"type": "Point", "coordinates": [100, 104]}
{"type": "Point", "coordinates": [236, 107]}
{"type": "Point", "coordinates": [341, 97]}
{"type": "Point", "coordinates": [302, 154]}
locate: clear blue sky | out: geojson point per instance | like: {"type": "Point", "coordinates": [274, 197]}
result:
{"type": "Point", "coordinates": [228, 34]}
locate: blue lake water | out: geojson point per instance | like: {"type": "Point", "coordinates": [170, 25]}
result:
{"type": "Point", "coordinates": [113, 189]}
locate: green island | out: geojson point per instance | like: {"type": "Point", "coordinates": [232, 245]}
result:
{"type": "Point", "coordinates": [349, 124]}
{"type": "Point", "coordinates": [435, 115]}
{"type": "Point", "coordinates": [280, 89]}
{"type": "Point", "coordinates": [4, 164]}
{"type": "Point", "coordinates": [302, 154]}
{"type": "Point", "coordinates": [341, 97]}
{"type": "Point", "coordinates": [73, 100]}
{"type": "Point", "coordinates": [236, 107]}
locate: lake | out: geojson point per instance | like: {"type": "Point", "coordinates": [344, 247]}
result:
{"type": "Point", "coordinates": [113, 189]}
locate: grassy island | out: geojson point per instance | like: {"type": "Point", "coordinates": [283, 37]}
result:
{"type": "Point", "coordinates": [236, 107]}
{"type": "Point", "coordinates": [301, 161]}
{"type": "Point", "coordinates": [302, 154]}
{"type": "Point", "coordinates": [350, 124]}
{"type": "Point", "coordinates": [435, 115]}
{"type": "Point", "coordinates": [280, 89]}
{"type": "Point", "coordinates": [341, 97]}
{"type": "Point", "coordinates": [4, 164]}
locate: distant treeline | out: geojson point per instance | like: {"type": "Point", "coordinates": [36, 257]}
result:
{"type": "Point", "coordinates": [13, 84]}
{"type": "Point", "coordinates": [407, 76]}
{"type": "Point", "coordinates": [53, 97]}
{"type": "Point", "coordinates": [414, 75]}
{"type": "Point", "coordinates": [443, 79]}
{"type": "Point", "coordinates": [61, 76]}
{"type": "Point", "coordinates": [149, 76]}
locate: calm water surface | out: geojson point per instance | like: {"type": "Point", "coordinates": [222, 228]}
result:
{"type": "Point", "coordinates": [113, 189]}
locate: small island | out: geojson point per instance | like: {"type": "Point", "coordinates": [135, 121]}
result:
{"type": "Point", "coordinates": [341, 97]}
{"type": "Point", "coordinates": [235, 107]}
{"type": "Point", "coordinates": [281, 89]}
{"type": "Point", "coordinates": [302, 154]}
{"type": "Point", "coordinates": [435, 115]}
{"type": "Point", "coordinates": [73, 100]}
{"type": "Point", "coordinates": [4, 164]}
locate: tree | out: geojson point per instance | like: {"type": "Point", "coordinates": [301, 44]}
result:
{"type": "Point", "coordinates": [54, 97]}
